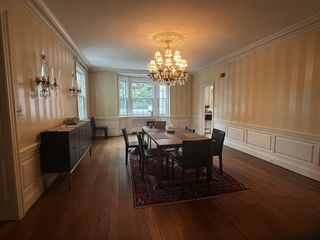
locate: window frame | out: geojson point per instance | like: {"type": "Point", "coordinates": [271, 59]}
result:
{"type": "Point", "coordinates": [155, 101]}
{"type": "Point", "coordinates": [83, 93]}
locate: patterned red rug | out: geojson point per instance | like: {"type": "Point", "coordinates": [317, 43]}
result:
{"type": "Point", "coordinates": [158, 188]}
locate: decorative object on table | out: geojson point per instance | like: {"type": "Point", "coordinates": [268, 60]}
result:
{"type": "Point", "coordinates": [158, 189]}
{"type": "Point", "coordinates": [218, 137]}
{"type": "Point", "coordinates": [150, 124]}
{"type": "Point", "coordinates": [44, 78]}
{"type": "Point", "coordinates": [74, 89]}
{"type": "Point", "coordinates": [94, 128]}
{"type": "Point", "coordinates": [170, 69]}
{"type": "Point", "coordinates": [71, 121]}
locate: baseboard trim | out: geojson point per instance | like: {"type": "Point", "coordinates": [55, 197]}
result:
{"type": "Point", "coordinates": [297, 152]}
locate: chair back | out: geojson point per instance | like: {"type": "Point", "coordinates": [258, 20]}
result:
{"type": "Point", "coordinates": [150, 123]}
{"type": "Point", "coordinates": [160, 124]}
{"type": "Point", "coordinates": [197, 153]}
{"type": "Point", "coordinates": [141, 147]}
{"type": "Point", "coordinates": [125, 136]}
{"type": "Point", "coordinates": [218, 136]}
{"type": "Point", "coordinates": [93, 122]}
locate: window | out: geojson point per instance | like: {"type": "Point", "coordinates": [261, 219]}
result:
{"type": "Point", "coordinates": [81, 81]}
{"type": "Point", "coordinates": [140, 97]}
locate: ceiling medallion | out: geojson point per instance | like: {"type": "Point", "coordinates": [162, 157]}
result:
{"type": "Point", "coordinates": [172, 68]}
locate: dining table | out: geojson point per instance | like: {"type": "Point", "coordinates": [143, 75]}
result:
{"type": "Point", "coordinates": [170, 138]}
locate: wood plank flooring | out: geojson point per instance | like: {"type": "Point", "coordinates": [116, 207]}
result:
{"type": "Point", "coordinates": [279, 205]}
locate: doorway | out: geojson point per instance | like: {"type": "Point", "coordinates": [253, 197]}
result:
{"type": "Point", "coordinates": [206, 110]}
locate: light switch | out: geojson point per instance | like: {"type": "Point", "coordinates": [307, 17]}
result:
{"type": "Point", "coordinates": [19, 111]}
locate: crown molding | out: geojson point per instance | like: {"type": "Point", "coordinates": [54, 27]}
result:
{"type": "Point", "coordinates": [304, 25]}
{"type": "Point", "coordinates": [39, 9]}
{"type": "Point", "coordinates": [120, 71]}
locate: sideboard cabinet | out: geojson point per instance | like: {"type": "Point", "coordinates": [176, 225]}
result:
{"type": "Point", "coordinates": [63, 147]}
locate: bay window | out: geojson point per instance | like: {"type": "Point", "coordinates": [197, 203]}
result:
{"type": "Point", "coordinates": [141, 97]}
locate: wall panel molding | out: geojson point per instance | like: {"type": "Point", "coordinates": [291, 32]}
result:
{"type": "Point", "coordinates": [32, 181]}
{"type": "Point", "coordinates": [294, 151]}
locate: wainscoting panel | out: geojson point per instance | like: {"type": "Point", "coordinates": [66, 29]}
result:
{"type": "Point", "coordinates": [298, 150]}
{"type": "Point", "coordinates": [259, 139]}
{"type": "Point", "coordinates": [236, 133]}
{"type": "Point", "coordinates": [32, 181]}
{"type": "Point", "coordinates": [295, 151]}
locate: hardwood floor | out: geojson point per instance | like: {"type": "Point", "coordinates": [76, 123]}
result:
{"type": "Point", "coordinates": [279, 205]}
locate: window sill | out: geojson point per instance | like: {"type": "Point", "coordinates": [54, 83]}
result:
{"type": "Point", "coordinates": [147, 116]}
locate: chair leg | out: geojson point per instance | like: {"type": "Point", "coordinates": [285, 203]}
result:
{"type": "Point", "coordinates": [209, 174]}
{"type": "Point", "coordinates": [127, 153]}
{"type": "Point", "coordinates": [172, 169]}
{"type": "Point", "coordinates": [105, 133]}
{"type": "Point", "coordinates": [183, 180]}
{"type": "Point", "coordinates": [220, 164]}
{"type": "Point", "coordinates": [142, 167]}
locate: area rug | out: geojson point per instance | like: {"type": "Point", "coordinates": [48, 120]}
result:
{"type": "Point", "coordinates": [160, 187]}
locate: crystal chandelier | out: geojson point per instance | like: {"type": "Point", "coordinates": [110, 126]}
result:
{"type": "Point", "coordinates": [170, 69]}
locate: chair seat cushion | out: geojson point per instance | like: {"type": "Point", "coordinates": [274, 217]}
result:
{"type": "Point", "coordinates": [133, 144]}
{"type": "Point", "coordinates": [152, 152]}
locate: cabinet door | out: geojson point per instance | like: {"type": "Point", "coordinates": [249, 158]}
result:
{"type": "Point", "coordinates": [74, 148]}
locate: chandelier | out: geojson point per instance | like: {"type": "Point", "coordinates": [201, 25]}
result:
{"type": "Point", "coordinates": [170, 69]}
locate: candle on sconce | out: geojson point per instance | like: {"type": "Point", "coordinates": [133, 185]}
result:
{"type": "Point", "coordinates": [52, 74]}
{"type": "Point", "coordinates": [59, 73]}
{"type": "Point", "coordinates": [72, 79]}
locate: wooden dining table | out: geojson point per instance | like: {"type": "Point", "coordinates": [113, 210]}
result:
{"type": "Point", "coordinates": [169, 138]}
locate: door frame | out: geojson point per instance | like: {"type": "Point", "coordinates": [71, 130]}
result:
{"type": "Point", "coordinates": [201, 103]}
{"type": "Point", "coordinates": [14, 168]}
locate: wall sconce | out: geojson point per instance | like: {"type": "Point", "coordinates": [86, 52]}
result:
{"type": "Point", "coordinates": [74, 90]}
{"type": "Point", "coordinates": [44, 78]}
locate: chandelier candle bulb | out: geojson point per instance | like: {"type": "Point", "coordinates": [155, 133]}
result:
{"type": "Point", "coordinates": [172, 71]}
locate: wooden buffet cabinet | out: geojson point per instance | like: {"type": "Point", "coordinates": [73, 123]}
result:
{"type": "Point", "coordinates": [63, 147]}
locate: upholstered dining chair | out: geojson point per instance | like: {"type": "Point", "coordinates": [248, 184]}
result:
{"type": "Point", "coordinates": [145, 154]}
{"type": "Point", "coordinates": [130, 144]}
{"type": "Point", "coordinates": [218, 137]}
{"type": "Point", "coordinates": [160, 124]}
{"type": "Point", "coordinates": [195, 154]}
{"type": "Point", "coordinates": [94, 128]}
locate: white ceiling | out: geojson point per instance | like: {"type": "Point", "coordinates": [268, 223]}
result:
{"type": "Point", "coordinates": [117, 34]}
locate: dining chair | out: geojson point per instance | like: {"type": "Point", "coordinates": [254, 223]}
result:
{"type": "Point", "coordinates": [218, 137]}
{"type": "Point", "coordinates": [94, 128]}
{"type": "Point", "coordinates": [145, 154]}
{"type": "Point", "coordinates": [195, 154]}
{"type": "Point", "coordinates": [130, 144]}
{"type": "Point", "coordinates": [160, 124]}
